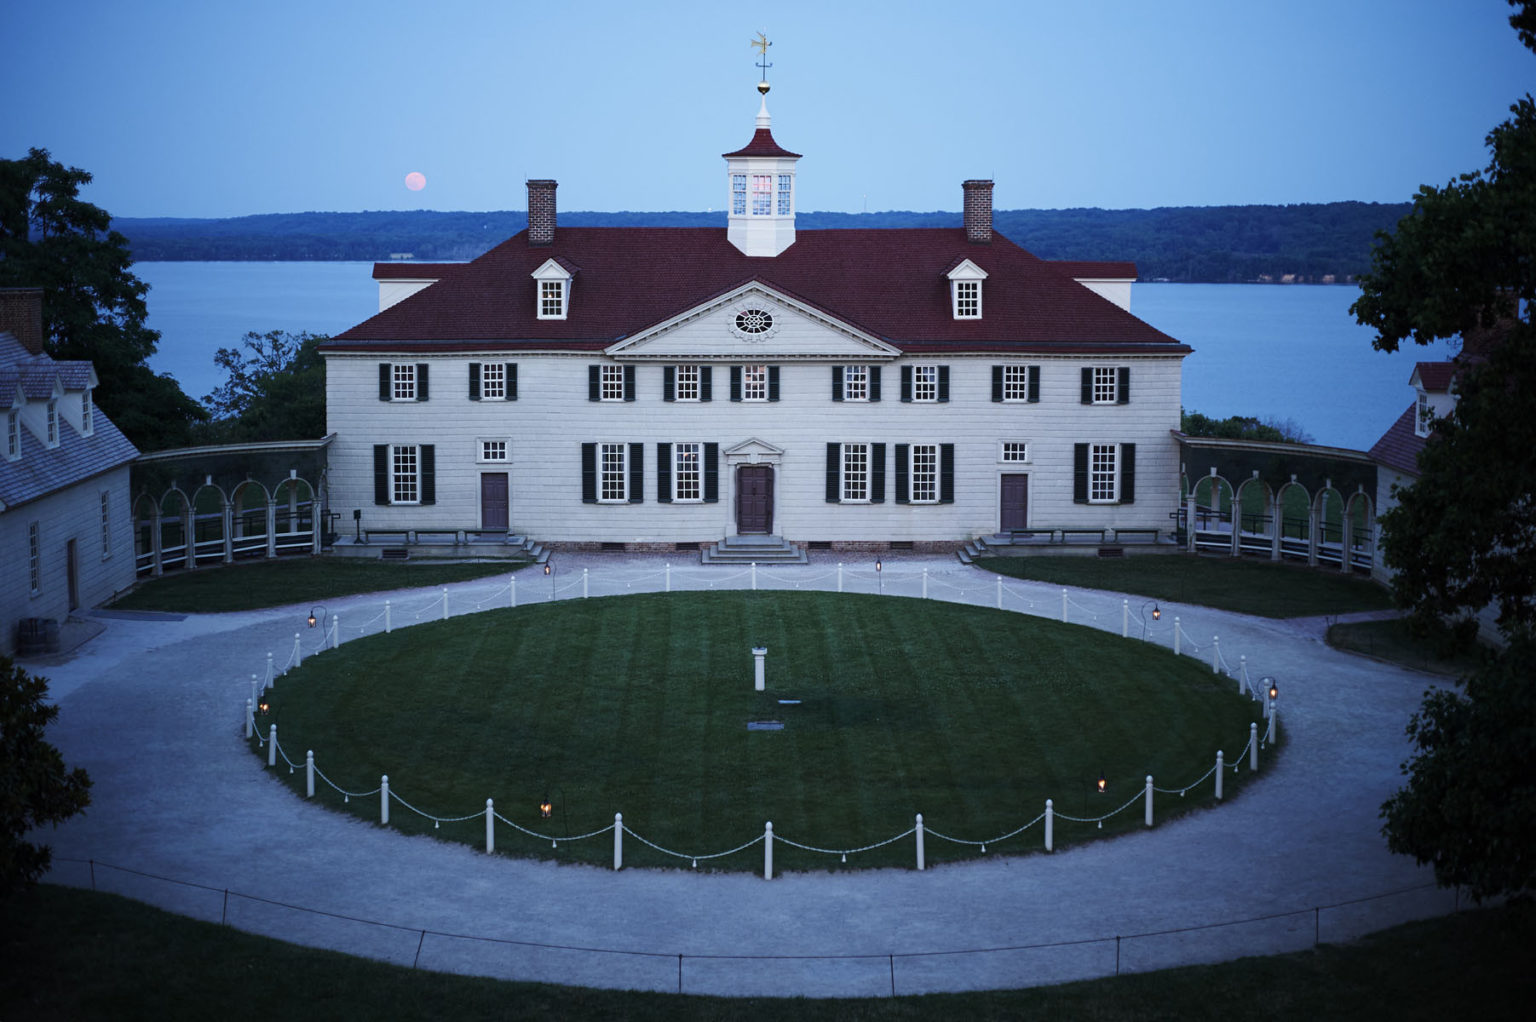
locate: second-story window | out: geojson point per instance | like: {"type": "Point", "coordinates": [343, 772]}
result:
{"type": "Point", "coordinates": [687, 383]}
{"type": "Point", "coordinates": [925, 383]}
{"type": "Point", "coordinates": [612, 383]}
{"type": "Point", "coordinates": [404, 381]}
{"type": "Point", "coordinates": [856, 383]}
{"type": "Point", "coordinates": [754, 383]}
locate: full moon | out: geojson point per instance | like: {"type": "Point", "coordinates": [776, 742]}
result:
{"type": "Point", "coordinates": [415, 181]}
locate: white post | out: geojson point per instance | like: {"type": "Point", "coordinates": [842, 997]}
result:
{"type": "Point", "coordinates": [839, 576]}
{"type": "Point", "coordinates": [768, 850]}
{"type": "Point", "coordinates": [256, 691]}
{"type": "Point", "coordinates": [1242, 673]}
{"type": "Point", "coordinates": [490, 826]}
{"type": "Point", "coordinates": [1063, 605]}
{"type": "Point", "coordinates": [1220, 769]}
{"type": "Point", "coordinates": [1274, 714]}
{"type": "Point", "coordinates": [1177, 643]}
{"type": "Point", "coordinates": [335, 631]}
{"type": "Point", "coordinates": [270, 675]}
{"type": "Point", "coordinates": [1215, 654]}
{"type": "Point", "coordinates": [668, 585]}
{"type": "Point", "coordinates": [512, 591]}
{"type": "Point", "coordinates": [250, 718]}
{"type": "Point", "coordinates": [925, 583]}
{"type": "Point", "coordinates": [272, 746]}
{"type": "Point", "coordinates": [618, 840]}
{"type": "Point", "coordinates": [298, 650]}
{"type": "Point", "coordinates": [584, 583]}
{"type": "Point", "coordinates": [759, 653]}
{"type": "Point", "coordinates": [1050, 824]}
{"type": "Point", "coordinates": [1125, 619]}
{"type": "Point", "coordinates": [309, 774]}
{"type": "Point", "coordinates": [1253, 747]}
{"type": "Point", "coordinates": [1149, 800]}
{"type": "Point", "coordinates": [919, 842]}
{"type": "Point", "coordinates": [384, 799]}
{"type": "Point", "coordinates": [445, 604]}
{"type": "Point", "coordinates": [754, 576]}
{"type": "Point", "coordinates": [387, 623]}
{"type": "Point", "coordinates": [999, 592]}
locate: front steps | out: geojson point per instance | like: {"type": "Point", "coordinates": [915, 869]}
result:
{"type": "Point", "coordinates": [741, 550]}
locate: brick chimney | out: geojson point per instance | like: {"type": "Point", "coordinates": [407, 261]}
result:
{"type": "Point", "coordinates": [978, 211]}
{"type": "Point", "coordinates": [21, 314]}
{"type": "Point", "coordinates": [541, 211]}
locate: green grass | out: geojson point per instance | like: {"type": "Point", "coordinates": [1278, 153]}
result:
{"type": "Point", "coordinates": [259, 584]}
{"type": "Point", "coordinates": [1263, 588]}
{"type": "Point", "coordinates": [639, 705]}
{"type": "Point", "coordinates": [1391, 640]}
{"type": "Point", "coordinates": [72, 954]}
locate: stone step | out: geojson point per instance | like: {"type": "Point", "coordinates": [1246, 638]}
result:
{"type": "Point", "coordinates": [740, 550]}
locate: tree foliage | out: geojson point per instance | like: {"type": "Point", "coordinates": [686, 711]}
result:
{"type": "Point", "coordinates": [93, 305]}
{"type": "Point", "coordinates": [1243, 427]}
{"type": "Point", "coordinates": [35, 786]}
{"type": "Point", "coordinates": [274, 389]}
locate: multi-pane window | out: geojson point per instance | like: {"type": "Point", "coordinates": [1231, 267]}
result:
{"type": "Point", "coordinates": [1102, 475]}
{"type": "Point", "coordinates": [855, 472]}
{"type": "Point", "coordinates": [34, 558]}
{"type": "Point", "coordinates": [762, 194]}
{"type": "Point", "coordinates": [403, 375]}
{"type": "Point", "coordinates": [754, 383]}
{"type": "Point", "coordinates": [13, 434]}
{"type": "Point", "coordinates": [1015, 383]}
{"type": "Point", "coordinates": [687, 479]}
{"type": "Point", "coordinates": [786, 185]}
{"type": "Point", "coordinates": [53, 423]}
{"type": "Point", "coordinates": [493, 381]}
{"type": "Point", "coordinates": [405, 474]}
{"type": "Point", "coordinates": [611, 383]}
{"type": "Point", "coordinates": [856, 383]}
{"type": "Point", "coordinates": [925, 473]}
{"type": "Point", "coordinates": [613, 476]}
{"type": "Point", "coordinates": [1106, 389]}
{"type": "Point", "coordinates": [86, 412]}
{"type": "Point", "coordinates": [551, 299]}
{"type": "Point", "coordinates": [686, 383]}
{"type": "Point", "coordinates": [739, 194]}
{"type": "Point", "coordinates": [1422, 415]}
{"type": "Point", "coordinates": [967, 299]}
{"type": "Point", "coordinates": [1014, 450]}
{"type": "Point", "coordinates": [106, 525]}
{"type": "Point", "coordinates": [493, 450]}
{"type": "Point", "coordinates": [925, 383]}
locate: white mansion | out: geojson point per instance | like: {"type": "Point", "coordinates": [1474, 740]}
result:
{"type": "Point", "coordinates": [656, 387]}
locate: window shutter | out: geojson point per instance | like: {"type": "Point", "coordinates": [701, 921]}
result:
{"type": "Point", "coordinates": [834, 473]}
{"type": "Point", "coordinates": [877, 473]}
{"type": "Point", "coordinates": [773, 383]}
{"type": "Point", "coordinates": [664, 472]}
{"type": "Point", "coordinates": [629, 383]}
{"type": "Point", "coordinates": [902, 473]}
{"type": "Point", "coordinates": [511, 381]}
{"type": "Point", "coordinates": [421, 381]}
{"type": "Point", "coordinates": [946, 473]}
{"type": "Point", "coordinates": [1127, 473]}
{"type": "Point", "coordinates": [837, 383]}
{"type": "Point", "coordinates": [474, 381]}
{"type": "Point", "coordinates": [706, 383]}
{"type": "Point", "coordinates": [1080, 473]}
{"type": "Point", "coordinates": [943, 383]}
{"type": "Point", "coordinates": [636, 472]}
{"type": "Point", "coordinates": [1125, 386]}
{"type": "Point", "coordinates": [906, 383]}
{"type": "Point", "coordinates": [1034, 384]}
{"type": "Point", "coordinates": [594, 382]}
{"type": "Point", "coordinates": [711, 473]}
{"type": "Point", "coordinates": [997, 383]}
{"type": "Point", "coordinates": [428, 473]}
{"type": "Point", "coordinates": [668, 383]}
{"type": "Point", "coordinates": [589, 473]}
{"type": "Point", "coordinates": [1087, 397]}
{"type": "Point", "coordinates": [735, 383]}
{"type": "Point", "coordinates": [384, 380]}
{"type": "Point", "coordinates": [381, 473]}
{"type": "Point", "coordinates": [874, 383]}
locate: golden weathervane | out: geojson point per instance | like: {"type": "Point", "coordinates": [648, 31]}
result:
{"type": "Point", "coordinates": [761, 44]}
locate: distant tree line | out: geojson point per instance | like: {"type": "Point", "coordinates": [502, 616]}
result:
{"type": "Point", "coordinates": [1315, 243]}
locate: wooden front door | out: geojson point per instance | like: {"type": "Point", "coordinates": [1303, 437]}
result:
{"type": "Point", "coordinates": [1014, 512]}
{"type": "Point", "coordinates": [493, 500]}
{"type": "Point", "coordinates": [754, 498]}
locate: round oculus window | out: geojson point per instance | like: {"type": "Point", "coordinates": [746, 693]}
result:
{"type": "Point", "coordinates": [754, 321]}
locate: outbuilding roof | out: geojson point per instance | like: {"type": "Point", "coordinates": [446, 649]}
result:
{"type": "Point", "coordinates": [1399, 446]}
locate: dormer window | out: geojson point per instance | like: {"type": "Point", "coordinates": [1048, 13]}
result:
{"type": "Point", "coordinates": [12, 434]}
{"type": "Point", "coordinates": [965, 289]}
{"type": "Point", "coordinates": [53, 423]}
{"type": "Point", "coordinates": [86, 413]}
{"type": "Point", "coordinates": [554, 289]}
{"type": "Point", "coordinates": [1423, 415]}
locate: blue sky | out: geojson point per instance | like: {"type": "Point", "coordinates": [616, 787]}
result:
{"type": "Point", "coordinates": [222, 109]}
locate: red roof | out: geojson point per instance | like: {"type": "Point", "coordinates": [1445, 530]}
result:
{"type": "Point", "coordinates": [1078, 268]}
{"type": "Point", "coordinates": [1436, 376]}
{"type": "Point", "coordinates": [1399, 446]}
{"type": "Point", "coordinates": [762, 144]}
{"type": "Point", "coordinates": [887, 282]}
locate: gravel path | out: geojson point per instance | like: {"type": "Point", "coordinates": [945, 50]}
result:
{"type": "Point", "coordinates": [153, 708]}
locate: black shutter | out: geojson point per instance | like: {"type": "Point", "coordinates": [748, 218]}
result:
{"type": "Point", "coordinates": [902, 472]}
{"type": "Point", "coordinates": [874, 383]}
{"type": "Point", "coordinates": [381, 473]}
{"type": "Point", "coordinates": [1124, 397]}
{"type": "Point", "coordinates": [906, 383]}
{"type": "Point", "coordinates": [735, 383]}
{"type": "Point", "coordinates": [511, 381]}
{"type": "Point", "coordinates": [706, 383]}
{"type": "Point", "coordinates": [384, 380]}
{"type": "Point", "coordinates": [946, 473]}
{"type": "Point", "coordinates": [1034, 383]}
{"type": "Point", "coordinates": [877, 473]}
{"type": "Point", "coordinates": [997, 383]}
{"type": "Point", "coordinates": [837, 383]}
{"type": "Point", "coordinates": [664, 471]}
{"type": "Point", "coordinates": [1080, 473]}
{"type": "Point", "coordinates": [474, 381]}
{"type": "Point", "coordinates": [636, 472]}
{"type": "Point", "coordinates": [834, 473]}
{"type": "Point", "coordinates": [589, 473]}
{"type": "Point", "coordinates": [629, 383]}
{"type": "Point", "coordinates": [711, 473]}
{"type": "Point", "coordinates": [428, 474]}
{"type": "Point", "coordinates": [1127, 473]}
{"type": "Point", "coordinates": [421, 381]}
{"type": "Point", "coordinates": [773, 383]}
{"type": "Point", "coordinates": [1087, 398]}
{"type": "Point", "coordinates": [594, 383]}
{"type": "Point", "coordinates": [669, 383]}
{"type": "Point", "coordinates": [943, 383]}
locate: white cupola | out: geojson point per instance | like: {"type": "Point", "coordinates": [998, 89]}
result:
{"type": "Point", "coordinates": [761, 182]}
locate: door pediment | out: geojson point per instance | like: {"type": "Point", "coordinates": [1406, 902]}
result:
{"type": "Point", "coordinates": [753, 452]}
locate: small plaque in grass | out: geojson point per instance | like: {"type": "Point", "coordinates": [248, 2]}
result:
{"type": "Point", "coordinates": [765, 725]}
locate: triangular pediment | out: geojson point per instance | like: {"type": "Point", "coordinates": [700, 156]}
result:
{"type": "Point", "coordinates": [753, 448]}
{"type": "Point", "coordinates": [753, 322]}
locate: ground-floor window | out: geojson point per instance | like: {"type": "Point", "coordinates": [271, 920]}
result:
{"type": "Point", "coordinates": [611, 473]}
{"type": "Point", "coordinates": [404, 474]}
{"type": "Point", "coordinates": [35, 558]}
{"type": "Point", "coordinates": [1104, 473]}
{"type": "Point", "coordinates": [106, 525]}
{"type": "Point", "coordinates": [855, 473]}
